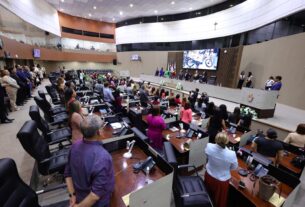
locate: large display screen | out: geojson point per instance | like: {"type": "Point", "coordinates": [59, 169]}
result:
{"type": "Point", "coordinates": [36, 53]}
{"type": "Point", "coordinates": [201, 59]}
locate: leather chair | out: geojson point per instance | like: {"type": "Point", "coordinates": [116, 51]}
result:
{"type": "Point", "coordinates": [42, 95]}
{"type": "Point", "coordinates": [34, 144]}
{"type": "Point", "coordinates": [51, 136]}
{"type": "Point", "coordinates": [49, 115]}
{"type": "Point", "coordinates": [54, 109]}
{"type": "Point", "coordinates": [188, 190]}
{"type": "Point", "coordinates": [53, 94]}
{"type": "Point", "coordinates": [14, 192]}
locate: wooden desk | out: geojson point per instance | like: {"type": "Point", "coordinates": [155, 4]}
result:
{"type": "Point", "coordinates": [250, 192]}
{"type": "Point", "coordinates": [126, 180]}
{"type": "Point", "coordinates": [176, 142]}
{"type": "Point", "coordinates": [285, 161]}
{"type": "Point", "coordinates": [232, 139]}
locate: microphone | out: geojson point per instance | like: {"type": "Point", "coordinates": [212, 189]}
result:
{"type": "Point", "coordinates": [129, 146]}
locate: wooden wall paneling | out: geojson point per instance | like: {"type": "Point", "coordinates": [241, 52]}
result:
{"type": "Point", "coordinates": [88, 38]}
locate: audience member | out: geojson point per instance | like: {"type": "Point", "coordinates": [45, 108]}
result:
{"type": "Point", "coordinates": [3, 112]}
{"type": "Point", "coordinates": [11, 88]}
{"type": "Point", "coordinates": [89, 172]}
{"type": "Point", "coordinates": [143, 96]}
{"type": "Point", "coordinates": [221, 161]}
{"type": "Point", "coordinates": [177, 99]}
{"type": "Point", "coordinates": [215, 125]}
{"type": "Point", "coordinates": [186, 113]}
{"type": "Point", "coordinates": [99, 87]}
{"type": "Point", "coordinates": [117, 101]}
{"type": "Point", "coordinates": [161, 73]}
{"type": "Point", "coordinates": [209, 111]}
{"type": "Point", "coordinates": [235, 116]}
{"type": "Point", "coordinates": [75, 118]}
{"type": "Point", "coordinates": [223, 112]}
{"type": "Point", "coordinates": [297, 138]}
{"type": "Point", "coordinates": [157, 72]}
{"type": "Point", "coordinates": [70, 96]}
{"type": "Point", "coordinates": [156, 125]}
{"type": "Point", "coordinates": [108, 97]}
{"type": "Point", "coordinates": [269, 146]}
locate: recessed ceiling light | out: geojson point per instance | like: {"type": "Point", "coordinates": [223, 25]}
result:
{"type": "Point", "coordinates": [94, 7]}
{"type": "Point", "coordinates": [302, 25]}
{"type": "Point", "coordinates": [113, 19]}
{"type": "Point", "coordinates": [156, 11]}
{"type": "Point", "coordinates": [190, 8]}
{"type": "Point", "coordinates": [172, 3]}
{"type": "Point", "coordinates": [61, 9]}
{"type": "Point", "coordinates": [121, 13]}
{"type": "Point", "coordinates": [89, 15]}
{"type": "Point", "coordinates": [62, 0]}
{"type": "Point", "coordinates": [130, 5]}
{"type": "Point", "coordinates": [231, 5]}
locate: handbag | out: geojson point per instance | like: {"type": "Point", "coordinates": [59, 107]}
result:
{"type": "Point", "coordinates": [299, 161]}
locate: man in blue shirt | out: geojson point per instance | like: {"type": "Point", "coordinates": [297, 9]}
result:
{"type": "Point", "coordinates": [108, 97]}
{"type": "Point", "coordinates": [278, 84]}
{"type": "Point", "coordinates": [89, 171]}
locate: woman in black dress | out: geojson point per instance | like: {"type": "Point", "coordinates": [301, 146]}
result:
{"type": "Point", "coordinates": [249, 80]}
{"type": "Point", "coordinates": [241, 80]}
{"type": "Point", "coordinates": [215, 125]}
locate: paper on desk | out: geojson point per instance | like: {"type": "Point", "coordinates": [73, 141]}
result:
{"type": "Point", "coordinates": [116, 125]}
{"type": "Point", "coordinates": [174, 129]}
{"type": "Point", "coordinates": [237, 139]}
{"type": "Point", "coordinates": [126, 199]}
{"type": "Point", "coordinates": [276, 200]}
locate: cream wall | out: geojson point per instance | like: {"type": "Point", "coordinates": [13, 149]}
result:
{"type": "Point", "coordinates": [150, 61]}
{"type": "Point", "coordinates": [53, 66]}
{"type": "Point", "coordinates": [284, 56]}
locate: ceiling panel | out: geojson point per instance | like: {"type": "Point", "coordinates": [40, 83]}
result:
{"type": "Point", "coordinates": [119, 10]}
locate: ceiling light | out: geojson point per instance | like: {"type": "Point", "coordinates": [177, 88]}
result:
{"type": "Point", "coordinates": [190, 8]}
{"type": "Point", "coordinates": [130, 5]}
{"type": "Point", "coordinates": [172, 3]}
{"type": "Point", "coordinates": [61, 9]}
{"type": "Point", "coordinates": [156, 11]}
{"type": "Point", "coordinates": [62, 0]}
{"type": "Point", "coordinates": [302, 25]}
{"type": "Point", "coordinates": [231, 5]}
{"type": "Point", "coordinates": [121, 13]}
{"type": "Point", "coordinates": [94, 7]}
{"type": "Point", "coordinates": [113, 19]}
{"type": "Point", "coordinates": [89, 15]}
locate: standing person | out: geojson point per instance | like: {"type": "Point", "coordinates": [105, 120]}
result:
{"type": "Point", "coordinates": [223, 111]}
{"type": "Point", "coordinates": [89, 172]}
{"type": "Point", "coordinates": [75, 118]}
{"type": "Point", "coordinates": [21, 91]}
{"type": "Point", "coordinates": [196, 76]}
{"type": "Point", "coordinates": [220, 162]}
{"type": "Point", "coordinates": [204, 77]}
{"type": "Point", "coordinates": [143, 96]}
{"type": "Point", "coordinates": [11, 88]}
{"type": "Point", "coordinates": [177, 99]}
{"type": "Point", "coordinates": [269, 83]}
{"type": "Point", "coordinates": [161, 73]}
{"type": "Point", "coordinates": [157, 72]}
{"type": "Point", "coordinates": [297, 138]}
{"type": "Point", "coordinates": [117, 101]}
{"type": "Point", "coordinates": [108, 97]}
{"type": "Point", "coordinates": [3, 117]}
{"type": "Point", "coordinates": [99, 87]}
{"type": "Point", "coordinates": [241, 80]}
{"type": "Point", "coordinates": [156, 125]}
{"type": "Point", "coordinates": [235, 116]}
{"type": "Point", "coordinates": [215, 125]}
{"type": "Point", "coordinates": [249, 80]}
{"type": "Point", "coordinates": [186, 113]}
{"type": "Point", "coordinates": [278, 84]}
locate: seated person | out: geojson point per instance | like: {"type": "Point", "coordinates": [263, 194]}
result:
{"type": "Point", "coordinates": [177, 99]}
{"type": "Point", "coordinates": [269, 146]}
{"type": "Point", "coordinates": [244, 124]}
{"type": "Point", "coordinates": [156, 125]}
{"type": "Point", "coordinates": [297, 138]}
{"type": "Point", "coordinates": [89, 172]}
{"type": "Point", "coordinates": [186, 113]}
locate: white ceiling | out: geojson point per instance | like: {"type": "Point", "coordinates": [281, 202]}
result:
{"type": "Point", "coordinates": [119, 10]}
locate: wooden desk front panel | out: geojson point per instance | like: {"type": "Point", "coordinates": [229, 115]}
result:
{"type": "Point", "coordinates": [126, 181]}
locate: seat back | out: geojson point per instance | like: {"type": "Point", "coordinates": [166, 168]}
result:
{"type": "Point", "coordinates": [41, 94]}
{"type": "Point", "coordinates": [43, 105]}
{"type": "Point", "coordinates": [13, 191]}
{"type": "Point", "coordinates": [52, 92]}
{"type": "Point", "coordinates": [41, 123]}
{"type": "Point", "coordinates": [34, 144]}
{"type": "Point", "coordinates": [169, 154]}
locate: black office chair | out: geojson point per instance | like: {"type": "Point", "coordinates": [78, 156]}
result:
{"type": "Point", "coordinates": [48, 114]}
{"type": "Point", "coordinates": [51, 136]}
{"type": "Point", "coordinates": [188, 190]}
{"type": "Point", "coordinates": [54, 109]}
{"type": "Point", "coordinates": [14, 192]}
{"type": "Point", "coordinates": [34, 144]}
{"type": "Point", "coordinates": [53, 94]}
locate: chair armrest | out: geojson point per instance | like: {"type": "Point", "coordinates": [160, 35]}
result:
{"type": "Point", "coordinates": [59, 140]}
{"type": "Point", "coordinates": [51, 189]}
{"type": "Point", "coordinates": [53, 157]}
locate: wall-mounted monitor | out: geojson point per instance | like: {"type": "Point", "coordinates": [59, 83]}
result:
{"type": "Point", "coordinates": [36, 53]}
{"type": "Point", "coordinates": [135, 57]}
{"type": "Point", "coordinates": [201, 59]}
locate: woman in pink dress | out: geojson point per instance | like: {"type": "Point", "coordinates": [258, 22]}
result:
{"type": "Point", "coordinates": [75, 118]}
{"type": "Point", "coordinates": [156, 125]}
{"type": "Point", "coordinates": [186, 113]}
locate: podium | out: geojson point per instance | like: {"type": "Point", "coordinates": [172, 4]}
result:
{"type": "Point", "coordinates": [262, 101]}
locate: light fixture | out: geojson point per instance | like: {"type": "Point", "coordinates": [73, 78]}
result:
{"type": "Point", "coordinates": [62, 0]}
{"type": "Point", "coordinates": [172, 3]}
{"type": "Point", "coordinates": [156, 11]}
{"type": "Point", "coordinates": [113, 19]}
{"type": "Point", "coordinates": [61, 9]}
{"type": "Point", "coordinates": [130, 5]}
{"type": "Point", "coordinates": [190, 8]}
{"type": "Point", "coordinates": [231, 5]}
{"type": "Point", "coordinates": [94, 7]}
{"type": "Point", "coordinates": [302, 25]}
{"type": "Point", "coordinates": [89, 15]}
{"type": "Point", "coordinates": [121, 13]}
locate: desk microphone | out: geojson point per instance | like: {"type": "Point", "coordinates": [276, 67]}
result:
{"type": "Point", "coordinates": [129, 147]}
